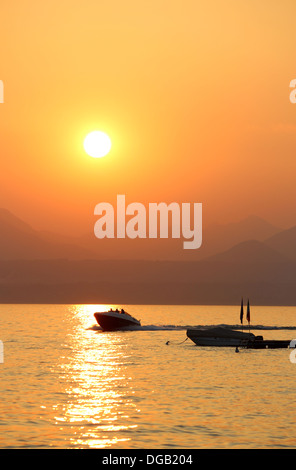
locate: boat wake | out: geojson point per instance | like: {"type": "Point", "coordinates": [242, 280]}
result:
{"type": "Point", "coordinates": [185, 327]}
{"type": "Point", "coordinates": [144, 328]}
{"type": "Point", "coordinates": [253, 327]}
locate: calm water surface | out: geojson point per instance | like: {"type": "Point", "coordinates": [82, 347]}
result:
{"type": "Point", "coordinates": [66, 384]}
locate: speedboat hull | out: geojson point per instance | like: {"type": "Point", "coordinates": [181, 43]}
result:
{"type": "Point", "coordinates": [111, 321]}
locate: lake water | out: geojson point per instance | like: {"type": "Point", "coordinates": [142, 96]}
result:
{"type": "Point", "coordinates": [67, 384]}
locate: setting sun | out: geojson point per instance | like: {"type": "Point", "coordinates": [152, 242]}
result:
{"type": "Point", "coordinates": [97, 144]}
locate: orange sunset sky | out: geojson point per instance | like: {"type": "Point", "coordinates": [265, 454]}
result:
{"type": "Point", "coordinates": [193, 94]}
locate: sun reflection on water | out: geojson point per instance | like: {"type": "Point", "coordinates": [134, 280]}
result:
{"type": "Point", "coordinates": [100, 407]}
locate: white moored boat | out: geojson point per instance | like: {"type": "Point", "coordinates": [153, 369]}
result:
{"type": "Point", "coordinates": [219, 336]}
{"type": "Point", "coordinates": [115, 320]}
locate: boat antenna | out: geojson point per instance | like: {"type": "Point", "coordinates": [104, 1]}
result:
{"type": "Point", "coordinates": [242, 313]}
{"type": "Point", "coordinates": [248, 316]}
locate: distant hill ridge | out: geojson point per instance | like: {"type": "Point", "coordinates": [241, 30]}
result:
{"type": "Point", "coordinates": [18, 240]}
{"type": "Point", "coordinates": [41, 267]}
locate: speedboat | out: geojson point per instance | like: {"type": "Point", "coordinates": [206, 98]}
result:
{"type": "Point", "coordinates": [115, 320]}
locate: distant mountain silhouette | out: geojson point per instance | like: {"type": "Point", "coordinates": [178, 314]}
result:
{"type": "Point", "coordinates": [42, 267]}
{"type": "Point", "coordinates": [216, 239]}
{"type": "Point", "coordinates": [20, 241]}
{"type": "Point", "coordinates": [222, 237]}
{"type": "Point", "coordinates": [250, 269]}
{"type": "Point", "coordinates": [250, 252]}
{"type": "Point", "coordinates": [250, 261]}
{"type": "Point", "coordinates": [8, 221]}
{"type": "Point", "coordinates": [284, 242]}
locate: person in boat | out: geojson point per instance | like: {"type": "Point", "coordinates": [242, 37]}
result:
{"type": "Point", "coordinates": [122, 311]}
{"type": "Point", "coordinates": [117, 311]}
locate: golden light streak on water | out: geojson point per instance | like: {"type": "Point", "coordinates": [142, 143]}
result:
{"type": "Point", "coordinates": [65, 383]}
{"type": "Point", "coordinates": [100, 391]}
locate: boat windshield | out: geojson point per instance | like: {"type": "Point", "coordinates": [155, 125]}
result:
{"type": "Point", "coordinates": [120, 311]}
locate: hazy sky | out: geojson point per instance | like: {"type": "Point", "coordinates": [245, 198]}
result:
{"type": "Point", "coordinates": [194, 95]}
